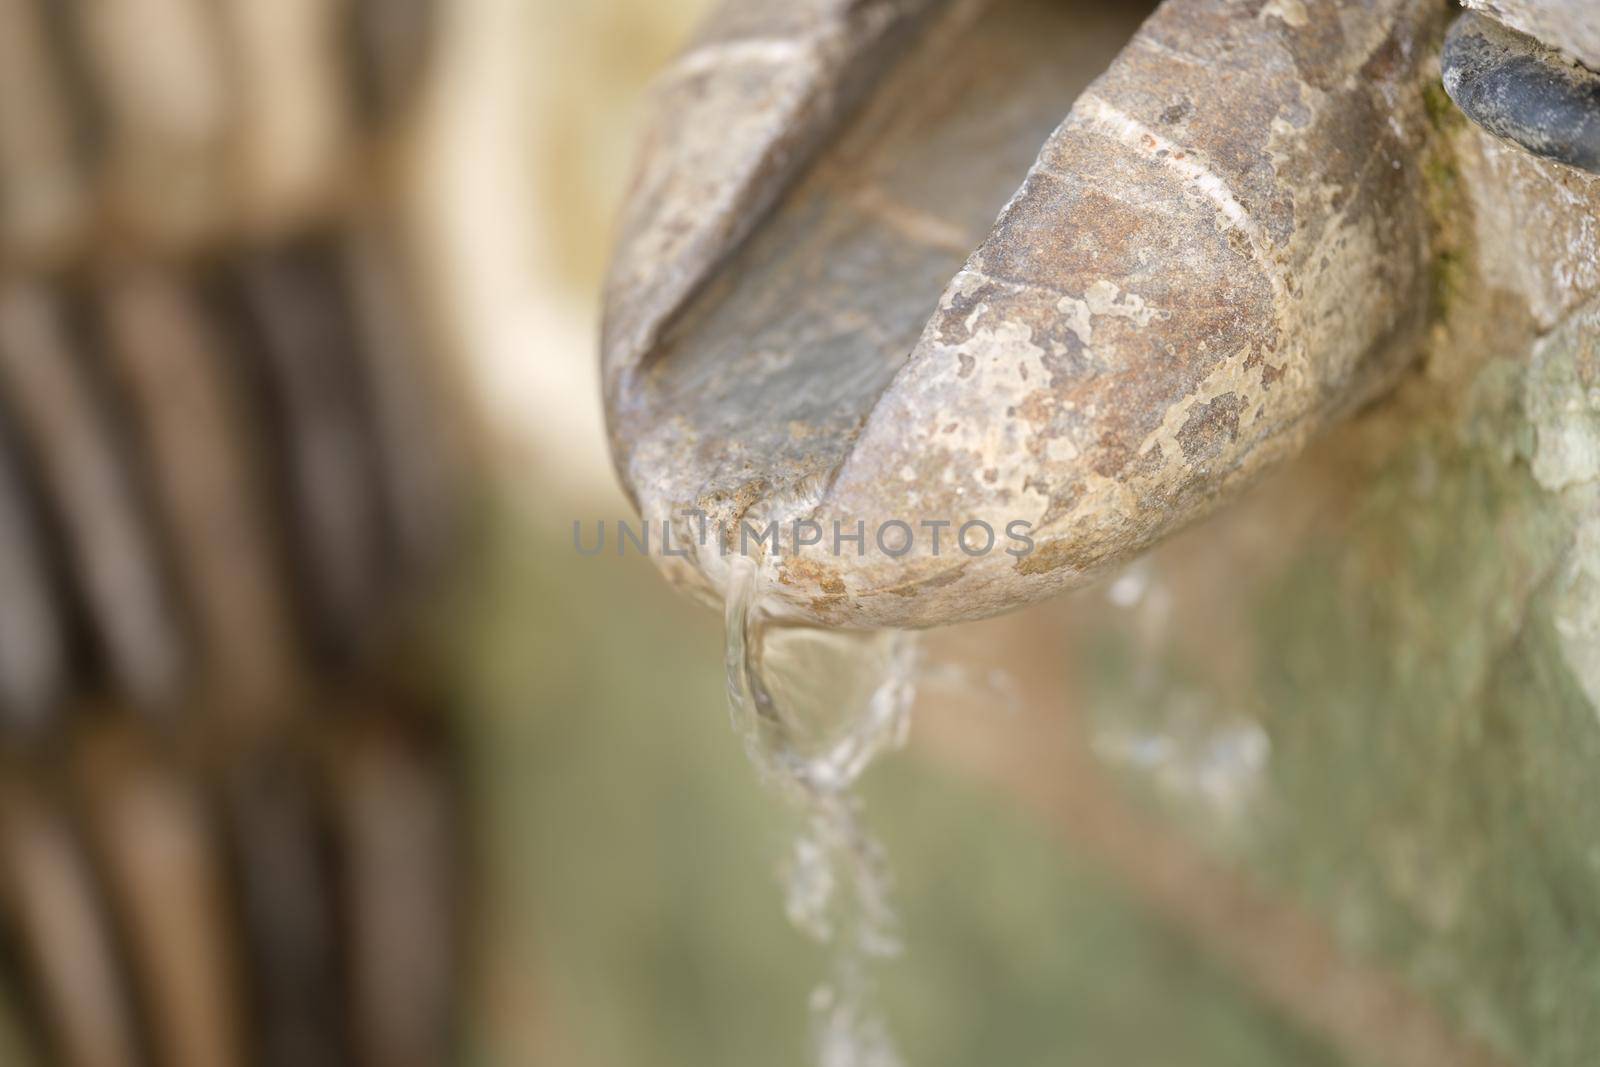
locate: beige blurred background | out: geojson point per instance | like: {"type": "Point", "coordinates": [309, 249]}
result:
{"type": "Point", "coordinates": [526, 153]}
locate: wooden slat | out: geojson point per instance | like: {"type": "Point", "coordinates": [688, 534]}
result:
{"type": "Point", "coordinates": [293, 132]}
{"type": "Point", "coordinates": [390, 41]}
{"type": "Point", "coordinates": [65, 931]}
{"type": "Point", "coordinates": [158, 74]}
{"type": "Point", "coordinates": [294, 308]}
{"type": "Point", "coordinates": [170, 360]}
{"type": "Point", "coordinates": [287, 901]}
{"type": "Point", "coordinates": [401, 879]}
{"type": "Point", "coordinates": [418, 461]}
{"type": "Point", "coordinates": [32, 654]}
{"type": "Point", "coordinates": [165, 876]}
{"type": "Point", "coordinates": [89, 477]}
{"type": "Point", "coordinates": [18, 1043]}
{"type": "Point", "coordinates": [44, 202]}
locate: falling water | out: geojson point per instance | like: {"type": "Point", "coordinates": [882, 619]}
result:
{"type": "Point", "coordinates": [814, 708]}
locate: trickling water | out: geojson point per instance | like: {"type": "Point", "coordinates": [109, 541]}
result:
{"type": "Point", "coordinates": [814, 708]}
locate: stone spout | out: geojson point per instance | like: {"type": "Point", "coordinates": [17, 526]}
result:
{"type": "Point", "coordinates": [870, 280]}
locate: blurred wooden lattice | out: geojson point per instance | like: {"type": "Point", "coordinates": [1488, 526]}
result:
{"type": "Point", "coordinates": [227, 832]}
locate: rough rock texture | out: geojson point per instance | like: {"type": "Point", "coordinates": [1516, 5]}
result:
{"type": "Point", "coordinates": [1221, 248]}
{"type": "Point", "coordinates": [1217, 252]}
{"type": "Point", "coordinates": [737, 115]}
{"type": "Point", "coordinates": [1570, 25]}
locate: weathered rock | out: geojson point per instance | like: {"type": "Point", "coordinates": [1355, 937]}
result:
{"type": "Point", "coordinates": [1224, 247]}
{"type": "Point", "coordinates": [1570, 25]}
{"type": "Point", "coordinates": [1516, 88]}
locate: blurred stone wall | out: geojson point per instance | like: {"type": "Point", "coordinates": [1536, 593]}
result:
{"type": "Point", "coordinates": [1367, 692]}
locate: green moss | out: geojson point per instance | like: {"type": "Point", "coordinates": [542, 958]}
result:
{"type": "Point", "coordinates": [1447, 273]}
{"type": "Point", "coordinates": [1442, 112]}
{"type": "Point", "coordinates": [1450, 265]}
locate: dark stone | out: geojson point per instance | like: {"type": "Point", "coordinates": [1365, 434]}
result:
{"type": "Point", "coordinates": [1516, 88]}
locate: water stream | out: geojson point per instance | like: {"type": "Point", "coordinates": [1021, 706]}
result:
{"type": "Point", "coordinates": [815, 707]}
